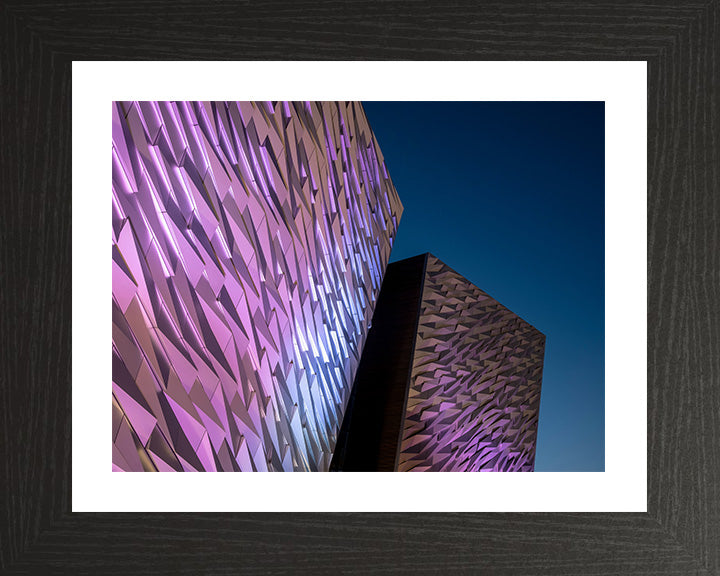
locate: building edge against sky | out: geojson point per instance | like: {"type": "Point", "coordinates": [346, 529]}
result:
{"type": "Point", "coordinates": [250, 242]}
{"type": "Point", "coordinates": [449, 380]}
{"type": "Point", "coordinates": [524, 217]}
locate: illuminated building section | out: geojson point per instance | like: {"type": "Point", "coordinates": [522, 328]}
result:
{"type": "Point", "coordinates": [250, 241]}
{"type": "Point", "coordinates": [449, 381]}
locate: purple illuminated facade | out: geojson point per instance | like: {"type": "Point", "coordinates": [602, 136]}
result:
{"type": "Point", "coordinates": [250, 241]}
{"type": "Point", "coordinates": [449, 380]}
{"type": "Point", "coordinates": [474, 392]}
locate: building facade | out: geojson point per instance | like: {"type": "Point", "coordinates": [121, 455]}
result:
{"type": "Point", "coordinates": [450, 380]}
{"type": "Point", "coordinates": [250, 242]}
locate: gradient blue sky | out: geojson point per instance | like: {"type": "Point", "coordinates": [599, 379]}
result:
{"type": "Point", "coordinates": [512, 196]}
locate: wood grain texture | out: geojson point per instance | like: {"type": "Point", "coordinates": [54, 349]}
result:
{"type": "Point", "coordinates": [683, 288]}
{"type": "Point", "coordinates": [681, 532]}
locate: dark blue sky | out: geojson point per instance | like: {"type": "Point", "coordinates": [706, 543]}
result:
{"type": "Point", "coordinates": [512, 196]}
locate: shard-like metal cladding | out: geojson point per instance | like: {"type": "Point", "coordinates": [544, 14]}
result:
{"type": "Point", "coordinates": [449, 379]}
{"type": "Point", "coordinates": [250, 241]}
{"type": "Point", "coordinates": [474, 391]}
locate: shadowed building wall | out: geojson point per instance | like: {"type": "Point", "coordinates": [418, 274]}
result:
{"type": "Point", "coordinates": [372, 425]}
{"type": "Point", "coordinates": [471, 393]}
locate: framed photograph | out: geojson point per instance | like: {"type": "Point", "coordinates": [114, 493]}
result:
{"type": "Point", "coordinates": [270, 311]}
{"type": "Point", "coordinates": [296, 178]}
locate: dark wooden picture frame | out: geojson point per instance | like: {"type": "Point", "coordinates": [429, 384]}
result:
{"type": "Point", "coordinates": [680, 533]}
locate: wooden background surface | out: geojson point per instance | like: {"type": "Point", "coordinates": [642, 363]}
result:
{"type": "Point", "coordinates": [681, 532]}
